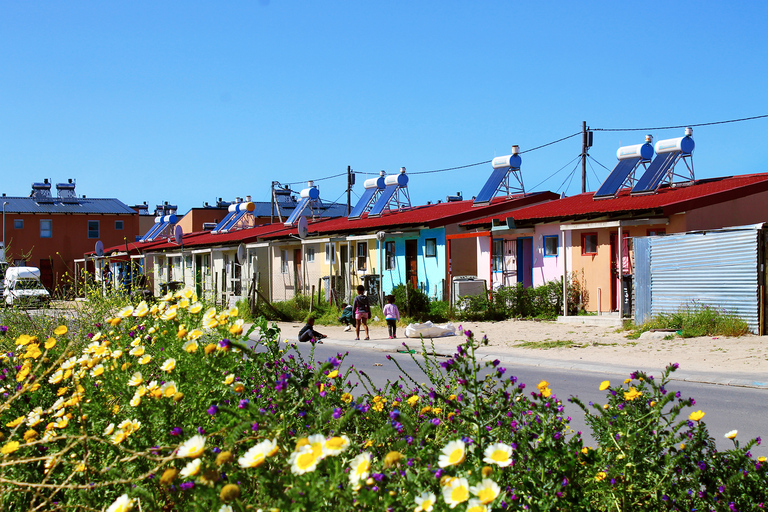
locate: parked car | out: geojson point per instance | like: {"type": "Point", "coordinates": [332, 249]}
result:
{"type": "Point", "coordinates": [22, 287]}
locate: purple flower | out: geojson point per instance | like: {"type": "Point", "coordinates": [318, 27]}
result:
{"type": "Point", "coordinates": [243, 403]}
{"type": "Point", "coordinates": [201, 431]}
{"type": "Point", "coordinates": [176, 431]}
{"type": "Point", "coordinates": [187, 485]}
{"type": "Point", "coordinates": [337, 413]}
{"type": "Point", "coordinates": [3, 329]}
{"type": "Point", "coordinates": [255, 427]}
{"type": "Point", "coordinates": [435, 421]}
{"type": "Point", "coordinates": [225, 343]}
{"type": "Point", "coordinates": [213, 409]}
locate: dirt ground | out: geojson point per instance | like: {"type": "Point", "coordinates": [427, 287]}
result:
{"type": "Point", "coordinates": [593, 344]}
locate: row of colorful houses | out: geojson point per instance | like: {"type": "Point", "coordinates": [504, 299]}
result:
{"type": "Point", "coordinates": [502, 240]}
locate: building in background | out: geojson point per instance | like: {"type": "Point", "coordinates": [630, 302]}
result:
{"type": "Point", "coordinates": [50, 231]}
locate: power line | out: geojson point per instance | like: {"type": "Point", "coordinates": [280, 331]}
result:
{"type": "Point", "coordinates": [681, 126]}
{"type": "Point", "coordinates": [318, 179]}
{"type": "Point", "coordinates": [550, 143]}
{"type": "Point", "coordinates": [555, 173]}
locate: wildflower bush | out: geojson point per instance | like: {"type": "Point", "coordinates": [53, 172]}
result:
{"type": "Point", "coordinates": [171, 407]}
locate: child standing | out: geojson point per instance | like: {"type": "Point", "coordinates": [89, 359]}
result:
{"type": "Point", "coordinates": [362, 311]}
{"type": "Point", "coordinates": [392, 315]}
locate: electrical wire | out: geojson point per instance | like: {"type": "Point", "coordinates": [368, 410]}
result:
{"type": "Point", "coordinates": [554, 173]}
{"type": "Point", "coordinates": [550, 143]}
{"type": "Point", "coordinates": [318, 179]}
{"type": "Point", "coordinates": [598, 163]}
{"type": "Point", "coordinates": [671, 127]}
{"type": "Point", "coordinates": [484, 162]}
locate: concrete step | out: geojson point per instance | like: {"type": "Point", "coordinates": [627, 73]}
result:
{"type": "Point", "coordinates": [606, 319]}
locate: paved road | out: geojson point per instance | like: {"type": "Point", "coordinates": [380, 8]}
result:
{"type": "Point", "coordinates": [729, 402]}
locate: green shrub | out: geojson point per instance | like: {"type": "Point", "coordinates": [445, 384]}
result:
{"type": "Point", "coordinates": [411, 303]}
{"type": "Point", "coordinates": [439, 311]}
{"type": "Point", "coordinates": [696, 320]}
{"type": "Point", "coordinates": [545, 301]}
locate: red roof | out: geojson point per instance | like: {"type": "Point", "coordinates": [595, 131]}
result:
{"type": "Point", "coordinates": [432, 215]}
{"type": "Point", "coordinates": [667, 201]}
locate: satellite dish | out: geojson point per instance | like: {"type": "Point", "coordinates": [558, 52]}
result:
{"type": "Point", "coordinates": [99, 249]}
{"type": "Point", "coordinates": [241, 254]}
{"type": "Point", "coordinates": [178, 234]}
{"type": "Point", "coordinates": [380, 236]}
{"type": "Point", "coordinates": [303, 227]}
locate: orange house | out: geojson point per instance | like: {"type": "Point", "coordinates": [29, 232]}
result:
{"type": "Point", "coordinates": [50, 232]}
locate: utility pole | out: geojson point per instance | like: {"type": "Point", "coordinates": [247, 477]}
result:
{"type": "Point", "coordinates": [350, 182]}
{"type": "Point", "coordinates": [586, 143]}
{"type": "Point", "coordinates": [272, 205]}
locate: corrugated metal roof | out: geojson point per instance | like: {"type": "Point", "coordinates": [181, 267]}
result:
{"type": "Point", "coordinates": [81, 206]}
{"type": "Point", "coordinates": [668, 200]}
{"type": "Point", "coordinates": [431, 215]}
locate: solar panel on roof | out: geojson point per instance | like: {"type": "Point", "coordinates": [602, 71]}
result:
{"type": "Point", "coordinates": [297, 211]}
{"type": "Point", "coordinates": [383, 200]}
{"type": "Point", "coordinates": [224, 221]}
{"type": "Point", "coordinates": [153, 231]}
{"type": "Point", "coordinates": [235, 218]}
{"type": "Point", "coordinates": [492, 185]}
{"type": "Point", "coordinates": [616, 178]}
{"type": "Point", "coordinates": [362, 203]}
{"type": "Point", "coordinates": [656, 172]}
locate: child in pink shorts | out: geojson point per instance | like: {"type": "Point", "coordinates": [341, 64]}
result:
{"type": "Point", "coordinates": [362, 311]}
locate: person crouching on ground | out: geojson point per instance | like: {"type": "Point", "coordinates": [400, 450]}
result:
{"type": "Point", "coordinates": [392, 315]}
{"type": "Point", "coordinates": [362, 311]}
{"type": "Point", "coordinates": [308, 332]}
{"type": "Point", "coordinates": [347, 316]}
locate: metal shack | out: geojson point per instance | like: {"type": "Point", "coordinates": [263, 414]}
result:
{"type": "Point", "coordinates": [721, 268]}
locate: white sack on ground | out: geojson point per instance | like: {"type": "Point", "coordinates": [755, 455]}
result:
{"type": "Point", "coordinates": [429, 330]}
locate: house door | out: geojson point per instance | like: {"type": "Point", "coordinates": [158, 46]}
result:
{"type": "Point", "coordinates": [46, 274]}
{"type": "Point", "coordinates": [525, 261]}
{"type": "Point", "coordinates": [411, 263]}
{"type": "Point", "coordinates": [298, 282]}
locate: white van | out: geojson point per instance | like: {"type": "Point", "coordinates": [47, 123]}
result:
{"type": "Point", "coordinates": [22, 286]}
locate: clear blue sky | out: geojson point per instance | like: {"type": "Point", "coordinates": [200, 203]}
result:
{"type": "Point", "coordinates": [190, 101]}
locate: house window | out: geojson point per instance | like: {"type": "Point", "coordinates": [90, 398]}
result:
{"type": "Point", "coordinates": [93, 229]}
{"type": "Point", "coordinates": [46, 228]}
{"type": "Point", "coordinates": [362, 256]}
{"type": "Point", "coordinates": [310, 254]}
{"type": "Point", "coordinates": [330, 254]}
{"type": "Point", "coordinates": [551, 245]}
{"type": "Point", "coordinates": [118, 225]}
{"type": "Point", "coordinates": [389, 255]}
{"type": "Point", "coordinates": [588, 243]}
{"type": "Point", "coordinates": [18, 223]}
{"type": "Point", "coordinates": [430, 248]}
{"type": "Point", "coordinates": [283, 261]}
{"type": "Point", "coordinates": [498, 255]}
{"type": "Point", "coordinates": [656, 232]}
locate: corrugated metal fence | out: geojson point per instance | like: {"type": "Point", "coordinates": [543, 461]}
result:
{"type": "Point", "coordinates": [714, 268]}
